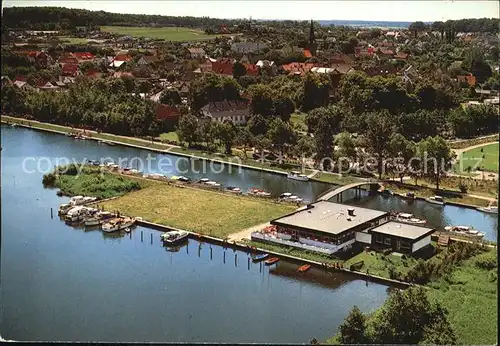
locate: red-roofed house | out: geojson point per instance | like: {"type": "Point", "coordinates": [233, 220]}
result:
{"type": "Point", "coordinates": [307, 53]}
{"type": "Point", "coordinates": [299, 68]}
{"type": "Point", "coordinates": [469, 79]}
{"type": "Point", "coordinates": [70, 70]}
{"type": "Point", "coordinates": [252, 69]}
{"type": "Point", "coordinates": [223, 66]}
{"type": "Point", "coordinates": [38, 57]}
{"type": "Point", "coordinates": [84, 56]}
{"type": "Point", "coordinates": [385, 52]}
{"type": "Point", "coordinates": [122, 57]}
{"type": "Point", "coordinates": [122, 74]}
{"type": "Point", "coordinates": [401, 56]}
{"type": "Point", "coordinates": [93, 73]}
{"type": "Point", "coordinates": [166, 112]}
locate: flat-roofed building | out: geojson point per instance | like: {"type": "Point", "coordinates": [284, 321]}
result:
{"type": "Point", "coordinates": [328, 227]}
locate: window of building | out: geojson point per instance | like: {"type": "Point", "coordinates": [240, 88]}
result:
{"type": "Point", "coordinates": [379, 238]}
{"type": "Point", "coordinates": [387, 241]}
{"type": "Point", "coordinates": [405, 244]}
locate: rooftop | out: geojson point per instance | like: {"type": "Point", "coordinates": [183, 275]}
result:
{"type": "Point", "coordinates": [329, 217]}
{"type": "Point", "coordinates": [402, 230]}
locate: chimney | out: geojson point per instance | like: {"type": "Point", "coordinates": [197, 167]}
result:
{"type": "Point", "coordinates": [350, 211]}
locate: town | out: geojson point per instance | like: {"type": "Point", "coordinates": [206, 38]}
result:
{"type": "Point", "coordinates": [364, 152]}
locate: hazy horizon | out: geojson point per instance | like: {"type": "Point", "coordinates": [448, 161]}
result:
{"type": "Point", "coordinates": [400, 11]}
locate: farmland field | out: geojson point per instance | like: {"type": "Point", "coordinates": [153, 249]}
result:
{"type": "Point", "coordinates": [168, 33]}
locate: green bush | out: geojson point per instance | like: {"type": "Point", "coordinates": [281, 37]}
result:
{"type": "Point", "coordinates": [387, 252]}
{"type": "Point", "coordinates": [487, 260]}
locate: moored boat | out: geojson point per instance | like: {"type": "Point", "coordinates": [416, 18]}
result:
{"type": "Point", "coordinates": [98, 219]}
{"type": "Point", "coordinates": [117, 224]}
{"type": "Point", "coordinates": [435, 200]}
{"type": "Point", "coordinates": [258, 192]}
{"type": "Point", "coordinates": [271, 261]}
{"type": "Point", "coordinates": [297, 176]}
{"type": "Point", "coordinates": [409, 219]}
{"type": "Point", "coordinates": [76, 214]}
{"type": "Point", "coordinates": [304, 268]}
{"type": "Point", "coordinates": [489, 209]}
{"type": "Point", "coordinates": [260, 257]}
{"type": "Point", "coordinates": [409, 196]}
{"type": "Point", "coordinates": [464, 230]}
{"type": "Point", "coordinates": [174, 237]}
{"type": "Point", "coordinates": [233, 189]}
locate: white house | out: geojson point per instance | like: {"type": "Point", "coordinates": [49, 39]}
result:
{"type": "Point", "coordinates": [236, 111]}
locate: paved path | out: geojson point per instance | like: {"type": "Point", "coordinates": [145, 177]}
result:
{"type": "Point", "coordinates": [246, 233]}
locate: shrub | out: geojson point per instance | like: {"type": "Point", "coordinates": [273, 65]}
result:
{"type": "Point", "coordinates": [387, 251]}
{"type": "Point", "coordinates": [49, 179]}
{"type": "Point", "coordinates": [487, 260]}
{"type": "Point", "coordinates": [463, 188]}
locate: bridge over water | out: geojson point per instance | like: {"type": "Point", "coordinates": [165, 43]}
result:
{"type": "Point", "coordinates": [374, 186]}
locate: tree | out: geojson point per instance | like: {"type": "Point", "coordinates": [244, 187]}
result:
{"type": "Point", "coordinates": [333, 113]}
{"type": "Point", "coordinates": [408, 317]}
{"type": "Point", "coordinates": [417, 27]}
{"type": "Point", "coordinates": [245, 138]}
{"type": "Point", "coordinates": [475, 63]}
{"type": "Point", "coordinates": [437, 157]}
{"type": "Point", "coordinates": [281, 133]}
{"type": "Point", "coordinates": [352, 330]}
{"type": "Point", "coordinates": [304, 148]}
{"type": "Point", "coordinates": [316, 91]}
{"type": "Point", "coordinates": [402, 151]}
{"type": "Point", "coordinates": [379, 130]}
{"type": "Point", "coordinates": [187, 129]}
{"type": "Point", "coordinates": [227, 135]}
{"type": "Point", "coordinates": [262, 99]}
{"type": "Point", "coordinates": [323, 141]}
{"type": "Point", "coordinates": [346, 148]}
{"type": "Point", "coordinates": [170, 97]}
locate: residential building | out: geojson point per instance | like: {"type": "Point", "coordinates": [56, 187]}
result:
{"type": "Point", "coordinates": [70, 70]}
{"type": "Point", "coordinates": [195, 52]}
{"type": "Point", "coordinates": [166, 112]}
{"type": "Point", "coordinates": [248, 47]}
{"type": "Point", "coordinates": [252, 69]}
{"type": "Point", "coordinates": [298, 68]}
{"type": "Point", "coordinates": [148, 60]}
{"type": "Point", "coordinates": [469, 79]}
{"type": "Point", "coordinates": [223, 66]}
{"type": "Point", "coordinates": [236, 111]}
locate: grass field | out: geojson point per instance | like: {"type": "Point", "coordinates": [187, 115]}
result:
{"type": "Point", "coordinates": [169, 34]}
{"type": "Point", "coordinates": [201, 211]}
{"type": "Point", "coordinates": [169, 136]}
{"type": "Point", "coordinates": [73, 40]}
{"type": "Point", "coordinates": [475, 157]}
{"type": "Point", "coordinates": [471, 299]}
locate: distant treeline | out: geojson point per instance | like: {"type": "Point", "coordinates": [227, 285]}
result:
{"type": "Point", "coordinates": [53, 18]}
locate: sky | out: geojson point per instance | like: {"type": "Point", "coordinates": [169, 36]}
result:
{"type": "Point", "coordinates": [423, 10]}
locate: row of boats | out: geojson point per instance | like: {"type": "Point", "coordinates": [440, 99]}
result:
{"type": "Point", "coordinates": [439, 200]}
{"type": "Point", "coordinates": [272, 260]}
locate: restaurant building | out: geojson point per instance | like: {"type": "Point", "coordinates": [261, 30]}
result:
{"type": "Point", "coordinates": [328, 227]}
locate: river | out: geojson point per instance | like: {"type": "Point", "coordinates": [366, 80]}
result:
{"type": "Point", "coordinates": [67, 284]}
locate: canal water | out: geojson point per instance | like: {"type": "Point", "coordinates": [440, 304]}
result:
{"type": "Point", "coordinates": [67, 284]}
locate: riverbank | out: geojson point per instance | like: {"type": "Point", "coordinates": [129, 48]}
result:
{"type": "Point", "coordinates": [326, 177]}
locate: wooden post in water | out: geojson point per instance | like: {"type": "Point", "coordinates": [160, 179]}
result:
{"type": "Point", "coordinates": [248, 262]}
{"type": "Point", "coordinates": [151, 238]}
{"type": "Point", "coordinates": [51, 214]}
{"type": "Point", "coordinates": [210, 252]}
{"type": "Point", "coordinates": [235, 259]}
{"type": "Point", "coordinates": [224, 257]}
{"type": "Point", "coordinates": [141, 237]}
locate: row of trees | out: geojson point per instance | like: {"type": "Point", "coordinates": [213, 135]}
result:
{"type": "Point", "coordinates": [101, 104]}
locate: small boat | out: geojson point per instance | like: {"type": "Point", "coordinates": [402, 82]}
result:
{"type": "Point", "coordinates": [464, 230]}
{"type": "Point", "coordinates": [76, 214]}
{"type": "Point", "coordinates": [258, 258]}
{"type": "Point", "coordinates": [409, 219]}
{"type": "Point", "coordinates": [285, 195]}
{"type": "Point", "coordinates": [98, 219]}
{"type": "Point", "coordinates": [76, 200]}
{"type": "Point", "coordinates": [297, 176]}
{"type": "Point", "coordinates": [258, 192]}
{"type": "Point", "coordinates": [435, 200]}
{"type": "Point", "coordinates": [88, 199]}
{"type": "Point", "coordinates": [271, 261]}
{"type": "Point", "coordinates": [233, 189]}
{"type": "Point", "coordinates": [304, 268]}
{"type": "Point", "coordinates": [184, 179]}
{"type": "Point", "coordinates": [409, 196]}
{"type": "Point", "coordinates": [64, 208]}
{"type": "Point", "coordinates": [117, 224]}
{"type": "Point", "coordinates": [174, 237]}
{"type": "Point", "coordinates": [489, 210]}
{"type": "Point", "coordinates": [204, 180]}
{"type": "Point", "coordinates": [212, 183]}
{"type": "Point", "coordinates": [127, 229]}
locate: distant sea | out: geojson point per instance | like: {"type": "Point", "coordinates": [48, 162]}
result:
{"type": "Point", "coordinates": [365, 23]}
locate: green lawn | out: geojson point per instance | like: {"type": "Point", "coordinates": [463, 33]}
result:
{"type": "Point", "coordinates": [202, 211]}
{"type": "Point", "coordinates": [487, 159]}
{"type": "Point", "coordinates": [170, 136]}
{"type": "Point", "coordinates": [298, 121]}
{"type": "Point", "coordinates": [73, 40]}
{"type": "Point", "coordinates": [169, 34]}
{"type": "Point", "coordinates": [378, 264]}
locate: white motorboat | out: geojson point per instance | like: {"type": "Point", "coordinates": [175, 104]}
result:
{"type": "Point", "coordinates": [489, 209]}
{"type": "Point", "coordinates": [285, 195]}
{"type": "Point", "coordinates": [89, 199]}
{"type": "Point", "coordinates": [212, 183]}
{"type": "Point", "coordinates": [64, 208]}
{"type": "Point", "coordinates": [174, 237]}
{"type": "Point", "coordinates": [435, 200]}
{"type": "Point", "coordinates": [117, 224]}
{"type": "Point", "coordinates": [297, 176]}
{"type": "Point", "coordinates": [234, 189]}
{"type": "Point", "coordinates": [464, 230]}
{"type": "Point", "coordinates": [288, 197]}
{"type": "Point", "coordinates": [76, 200]}
{"type": "Point", "coordinates": [204, 180]}
{"type": "Point", "coordinates": [76, 214]}
{"type": "Point", "coordinates": [98, 219]}
{"type": "Point", "coordinates": [410, 219]}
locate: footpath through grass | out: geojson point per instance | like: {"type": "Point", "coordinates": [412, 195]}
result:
{"type": "Point", "coordinates": [206, 212]}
